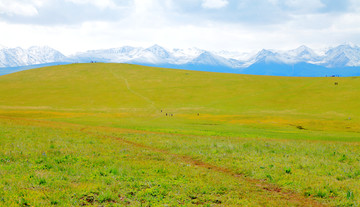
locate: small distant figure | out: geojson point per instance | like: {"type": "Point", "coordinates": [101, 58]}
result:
{"type": "Point", "coordinates": [161, 110]}
{"type": "Point", "coordinates": [172, 114]}
{"type": "Point", "coordinates": [166, 114]}
{"type": "Point", "coordinates": [336, 83]}
{"type": "Point", "coordinates": [198, 114]}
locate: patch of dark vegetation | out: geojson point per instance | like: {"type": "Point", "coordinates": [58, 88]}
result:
{"type": "Point", "coordinates": [343, 158]}
{"type": "Point", "coordinates": [89, 199]}
{"type": "Point", "coordinates": [42, 181]}
{"type": "Point", "coordinates": [193, 197]}
{"type": "Point", "coordinates": [300, 127]}
{"type": "Point", "coordinates": [106, 199]}
{"type": "Point", "coordinates": [321, 194]}
{"type": "Point", "coordinates": [287, 170]}
{"type": "Point", "coordinates": [307, 193]}
{"type": "Point", "coordinates": [131, 194]}
{"type": "Point", "coordinates": [22, 201]}
{"type": "Point", "coordinates": [349, 195]}
{"type": "Point", "coordinates": [6, 160]}
{"type": "Point", "coordinates": [217, 201]}
{"type": "Point", "coordinates": [269, 177]}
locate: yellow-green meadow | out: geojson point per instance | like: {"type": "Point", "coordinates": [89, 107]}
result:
{"type": "Point", "coordinates": [121, 134]}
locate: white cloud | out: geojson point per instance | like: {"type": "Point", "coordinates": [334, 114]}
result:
{"type": "Point", "coordinates": [13, 7]}
{"type": "Point", "coordinates": [99, 3]}
{"type": "Point", "coordinates": [355, 5]}
{"type": "Point", "coordinates": [305, 5]}
{"type": "Point", "coordinates": [78, 25]}
{"type": "Point", "coordinates": [214, 4]}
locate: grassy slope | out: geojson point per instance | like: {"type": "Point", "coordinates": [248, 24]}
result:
{"type": "Point", "coordinates": [225, 101]}
{"type": "Point", "coordinates": [83, 86]}
{"type": "Point", "coordinates": [128, 96]}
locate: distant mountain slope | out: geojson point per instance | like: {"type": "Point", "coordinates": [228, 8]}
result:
{"type": "Point", "coordinates": [13, 57]}
{"type": "Point", "coordinates": [301, 69]}
{"type": "Point", "coordinates": [8, 70]}
{"type": "Point", "coordinates": [343, 60]}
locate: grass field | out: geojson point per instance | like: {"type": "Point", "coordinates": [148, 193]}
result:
{"type": "Point", "coordinates": [120, 134]}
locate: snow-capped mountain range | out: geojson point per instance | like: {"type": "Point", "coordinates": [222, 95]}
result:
{"type": "Point", "coordinates": [342, 56]}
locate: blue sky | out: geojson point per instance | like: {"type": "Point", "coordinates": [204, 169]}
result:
{"type": "Point", "coordinates": [242, 25]}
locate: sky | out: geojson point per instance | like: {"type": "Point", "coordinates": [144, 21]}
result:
{"type": "Point", "coordinates": [71, 26]}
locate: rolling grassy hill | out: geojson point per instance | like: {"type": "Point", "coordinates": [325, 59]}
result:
{"type": "Point", "coordinates": [223, 101]}
{"type": "Point", "coordinates": [286, 140]}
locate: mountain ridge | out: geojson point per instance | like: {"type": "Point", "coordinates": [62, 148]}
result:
{"type": "Point", "coordinates": [341, 56]}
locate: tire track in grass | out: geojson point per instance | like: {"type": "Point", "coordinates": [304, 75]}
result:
{"type": "Point", "coordinates": [292, 197]}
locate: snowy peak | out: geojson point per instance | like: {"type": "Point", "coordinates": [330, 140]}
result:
{"type": "Point", "coordinates": [265, 56]}
{"type": "Point", "coordinates": [127, 50]}
{"type": "Point", "coordinates": [158, 51]}
{"type": "Point", "coordinates": [45, 54]}
{"type": "Point", "coordinates": [153, 55]}
{"type": "Point", "coordinates": [265, 52]}
{"type": "Point", "coordinates": [12, 57]}
{"type": "Point", "coordinates": [236, 55]}
{"type": "Point", "coordinates": [183, 56]}
{"type": "Point", "coordinates": [302, 52]}
{"type": "Point", "coordinates": [207, 58]}
{"type": "Point", "coordinates": [343, 55]}
{"type": "Point", "coordinates": [302, 48]}
{"type": "Point", "coordinates": [343, 49]}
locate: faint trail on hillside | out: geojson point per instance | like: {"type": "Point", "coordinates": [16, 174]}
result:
{"type": "Point", "coordinates": [119, 77]}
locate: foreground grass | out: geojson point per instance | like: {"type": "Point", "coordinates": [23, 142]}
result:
{"type": "Point", "coordinates": [327, 171]}
{"type": "Point", "coordinates": [42, 165]}
{"type": "Point", "coordinates": [58, 163]}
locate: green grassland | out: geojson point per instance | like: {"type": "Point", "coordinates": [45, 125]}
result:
{"type": "Point", "coordinates": [121, 134]}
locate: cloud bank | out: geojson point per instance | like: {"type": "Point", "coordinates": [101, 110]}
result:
{"type": "Point", "coordinates": [72, 25]}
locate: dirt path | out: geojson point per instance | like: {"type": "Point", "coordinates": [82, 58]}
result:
{"type": "Point", "coordinates": [119, 77]}
{"type": "Point", "coordinates": [292, 197]}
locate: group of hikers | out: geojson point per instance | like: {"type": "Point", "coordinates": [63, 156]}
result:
{"type": "Point", "coordinates": [168, 114]}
